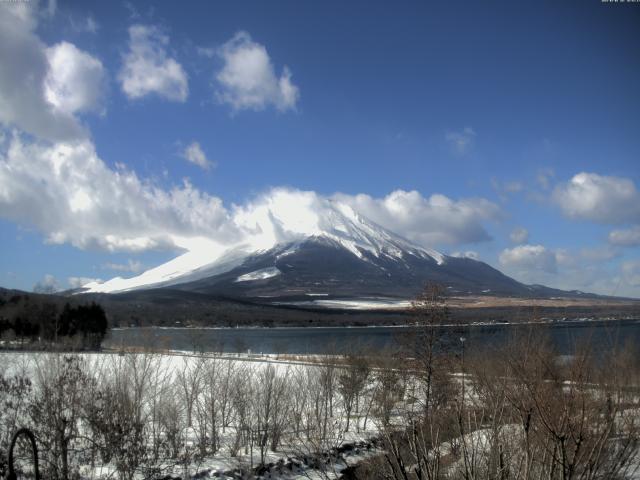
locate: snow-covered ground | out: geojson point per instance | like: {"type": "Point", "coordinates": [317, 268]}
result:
{"type": "Point", "coordinates": [355, 304]}
{"type": "Point", "coordinates": [172, 375]}
{"type": "Point", "coordinates": [293, 398]}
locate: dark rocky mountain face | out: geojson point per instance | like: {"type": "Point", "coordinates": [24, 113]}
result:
{"type": "Point", "coordinates": [319, 266]}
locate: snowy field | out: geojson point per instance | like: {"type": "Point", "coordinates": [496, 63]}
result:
{"type": "Point", "coordinates": [210, 416]}
{"type": "Point", "coordinates": [182, 415]}
{"type": "Point", "coordinates": [355, 304]}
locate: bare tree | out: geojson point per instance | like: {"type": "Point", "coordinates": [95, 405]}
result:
{"type": "Point", "coordinates": [270, 408]}
{"type": "Point", "coordinates": [351, 382]}
{"type": "Point", "coordinates": [14, 391]}
{"type": "Point", "coordinates": [226, 377]}
{"type": "Point", "coordinates": [299, 398]}
{"type": "Point", "coordinates": [241, 396]}
{"type": "Point", "coordinates": [188, 379]}
{"type": "Point", "coordinates": [427, 348]}
{"type": "Point", "coordinates": [171, 423]}
{"type": "Point", "coordinates": [210, 403]}
{"type": "Point", "coordinates": [55, 411]}
{"type": "Point", "coordinates": [413, 440]}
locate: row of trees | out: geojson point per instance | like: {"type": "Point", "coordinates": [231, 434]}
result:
{"type": "Point", "coordinates": [518, 410]}
{"type": "Point", "coordinates": [30, 320]}
{"type": "Point", "coordinates": [517, 415]}
{"type": "Point", "coordinates": [150, 414]}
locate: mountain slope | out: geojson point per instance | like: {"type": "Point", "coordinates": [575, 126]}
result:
{"type": "Point", "coordinates": [317, 248]}
{"type": "Point", "coordinates": [321, 266]}
{"type": "Point", "coordinates": [282, 229]}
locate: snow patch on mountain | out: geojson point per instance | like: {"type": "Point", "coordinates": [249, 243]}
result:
{"type": "Point", "coordinates": [261, 274]}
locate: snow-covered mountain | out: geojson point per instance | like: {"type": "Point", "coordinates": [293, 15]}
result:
{"type": "Point", "coordinates": [313, 246]}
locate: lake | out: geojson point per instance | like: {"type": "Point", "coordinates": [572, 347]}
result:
{"type": "Point", "coordinates": [326, 340]}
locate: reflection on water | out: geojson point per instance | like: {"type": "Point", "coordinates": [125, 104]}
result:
{"type": "Point", "coordinates": [327, 340]}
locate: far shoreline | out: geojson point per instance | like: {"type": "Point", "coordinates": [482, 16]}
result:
{"type": "Point", "coordinates": [407, 325]}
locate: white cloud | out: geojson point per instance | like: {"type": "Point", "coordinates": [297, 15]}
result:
{"type": "Point", "coordinates": [430, 221]}
{"type": "Point", "coordinates": [85, 25]}
{"type": "Point", "coordinates": [528, 258]}
{"type": "Point", "coordinates": [90, 25]}
{"type": "Point", "coordinates": [513, 187]}
{"type": "Point", "coordinates": [625, 238]}
{"type": "Point", "coordinates": [49, 284]}
{"type": "Point", "coordinates": [631, 272]}
{"type": "Point", "coordinates": [587, 269]}
{"type": "Point", "coordinates": [519, 235]}
{"type": "Point", "coordinates": [545, 177]}
{"type": "Point", "coordinates": [22, 100]}
{"type": "Point", "coordinates": [52, 7]}
{"type": "Point", "coordinates": [75, 80]}
{"type": "Point", "coordinates": [461, 142]}
{"type": "Point", "coordinates": [468, 254]}
{"type": "Point", "coordinates": [148, 69]}
{"type": "Point", "coordinates": [598, 198]}
{"type": "Point", "coordinates": [506, 188]}
{"type": "Point", "coordinates": [77, 282]}
{"type": "Point", "coordinates": [66, 191]}
{"type": "Point", "coordinates": [133, 11]}
{"type": "Point", "coordinates": [247, 80]}
{"type": "Point", "coordinates": [194, 154]}
{"type": "Point", "coordinates": [208, 52]}
{"type": "Point", "coordinates": [131, 266]}
{"type": "Point", "coordinates": [599, 254]}
{"type": "Point", "coordinates": [565, 257]}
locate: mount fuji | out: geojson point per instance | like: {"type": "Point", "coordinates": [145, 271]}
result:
{"type": "Point", "coordinates": [304, 246]}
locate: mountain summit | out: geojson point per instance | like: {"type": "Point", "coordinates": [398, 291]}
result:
{"type": "Point", "coordinates": [297, 245]}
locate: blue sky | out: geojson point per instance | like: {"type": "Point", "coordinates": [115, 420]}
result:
{"type": "Point", "coordinates": [522, 116]}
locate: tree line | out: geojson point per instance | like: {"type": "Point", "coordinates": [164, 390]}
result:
{"type": "Point", "coordinates": [517, 410]}
{"type": "Point", "coordinates": [148, 415]}
{"type": "Point", "coordinates": [31, 321]}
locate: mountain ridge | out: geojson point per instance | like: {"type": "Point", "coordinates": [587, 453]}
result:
{"type": "Point", "coordinates": [276, 228]}
{"type": "Point", "coordinates": [319, 248]}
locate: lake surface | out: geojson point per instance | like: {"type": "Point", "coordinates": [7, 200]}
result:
{"type": "Point", "coordinates": [327, 340]}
